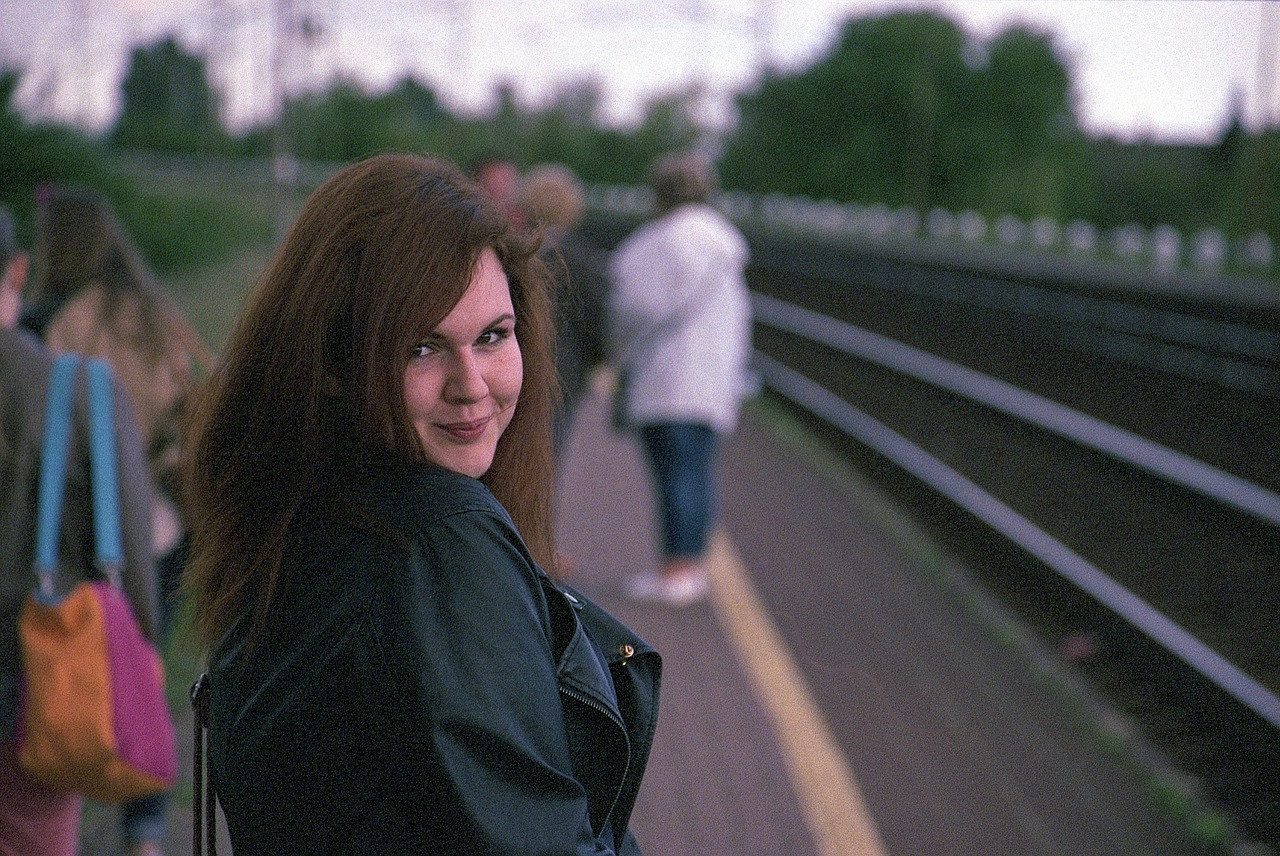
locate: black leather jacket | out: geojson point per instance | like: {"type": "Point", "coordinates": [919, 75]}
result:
{"type": "Point", "coordinates": [430, 691]}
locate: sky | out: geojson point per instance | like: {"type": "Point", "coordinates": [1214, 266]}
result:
{"type": "Point", "coordinates": [1166, 70]}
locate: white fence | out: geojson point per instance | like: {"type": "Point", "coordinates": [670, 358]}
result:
{"type": "Point", "coordinates": [1162, 248]}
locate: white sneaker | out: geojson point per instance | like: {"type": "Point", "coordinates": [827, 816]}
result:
{"type": "Point", "coordinates": [681, 589]}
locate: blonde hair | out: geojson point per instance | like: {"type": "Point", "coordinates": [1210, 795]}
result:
{"type": "Point", "coordinates": [104, 301]}
{"type": "Point", "coordinates": [553, 196]}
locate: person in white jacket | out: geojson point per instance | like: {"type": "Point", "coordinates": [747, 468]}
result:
{"type": "Point", "coordinates": [680, 335]}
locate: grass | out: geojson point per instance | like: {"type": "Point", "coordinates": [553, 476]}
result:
{"type": "Point", "coordinates": [211, 297]}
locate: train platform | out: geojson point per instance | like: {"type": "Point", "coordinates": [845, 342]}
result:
{"type": "Point", "coordinates": [845, 691]}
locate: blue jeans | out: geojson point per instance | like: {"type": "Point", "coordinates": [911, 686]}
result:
{"type": "Point", "coordinates": [145, 819]}
{"type": "Point", "coordinates": [682, 458]}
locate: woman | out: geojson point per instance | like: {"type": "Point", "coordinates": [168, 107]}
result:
{"type": "Point", "coordinates": [554, 198]}
{"type": "Point", "coordinates": [35, 819]}
{"type": "Point", "coordinates": [391, 669]}
{"type": "Point", "coordinates": [680, 330]}
{"type": "Point", "coordinates": [94, 295]}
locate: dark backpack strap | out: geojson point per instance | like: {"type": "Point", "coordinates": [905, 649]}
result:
{"type": "Point", "coordinates": [204, 799]}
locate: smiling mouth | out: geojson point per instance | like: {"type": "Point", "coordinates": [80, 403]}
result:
{"type": "Point", "coordinates": [465, 431]}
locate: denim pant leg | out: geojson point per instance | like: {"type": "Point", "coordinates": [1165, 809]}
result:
{"type": "Point", "coordinates": [682, 457]}
{"type": "Point", "coordinates": [145, 819]}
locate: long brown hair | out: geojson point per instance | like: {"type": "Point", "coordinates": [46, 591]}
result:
{"type": "Point", "coordinates": [313, 376]}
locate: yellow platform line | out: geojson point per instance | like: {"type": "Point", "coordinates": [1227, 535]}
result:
{"type": "Point", "coordinates": [833, 807]}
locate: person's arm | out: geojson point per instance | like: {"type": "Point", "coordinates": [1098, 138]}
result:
{"type": "Point", "coordinates": [618, 323]}
{"type": "Point", "coordinates": [481, 698]}
{"type": "Point", "coordinates": [642, 294]}
{"type": "Point", "coordinates": [659, 278]}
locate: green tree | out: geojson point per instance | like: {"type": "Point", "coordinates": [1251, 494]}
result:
{"type": "Point", "coordinates": [906, 109]}
{"type": "Point", "coordinates": [861, 123]}
{"type": "Point", "coordinates": [345, 123]}
{"type": "Point", "coordinates": [168, 103]}
{"type": "Point", "coordinates": [1252, 198]}
{"type": "Point", "coordinates": [35, 154]}
{"type": "Point", "coordinates": [668, 124]}
{"type": "Point", "coordinates": [1013, 137]}
{"type": "Point", "coordinates": [341, 124]}
{"type": "Point", "coordinates": [1242, 176]}
{"type": "Point", "coordinates": [567, 131]}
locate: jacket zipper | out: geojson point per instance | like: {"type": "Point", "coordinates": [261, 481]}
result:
{"type": "Point", "coordinates": [583, 698]}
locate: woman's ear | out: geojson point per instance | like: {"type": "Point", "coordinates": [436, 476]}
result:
{"type": "Point", "coordinates": [15, 274]}
{"type": "Point", "coordinates": [12, 280]}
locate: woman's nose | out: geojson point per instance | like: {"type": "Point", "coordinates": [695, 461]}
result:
{"type": "Point", "coordinates": [466, 380]}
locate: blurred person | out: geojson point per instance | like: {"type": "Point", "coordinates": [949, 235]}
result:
{"type": "Point", "coordinates": [94, 295]}
{"type": "Point", "coordinates": [680, 330]}
{"type": "Point", "coordinates": [391, 670]}
{"type": "Point", "coordinates": [500, 178]}
{"type": "Point", "coordinates": [554, 201]}
{"type": "Point", "coordinates": [37, 820]}
{"type": "Point", "coordinates": [14, 266]}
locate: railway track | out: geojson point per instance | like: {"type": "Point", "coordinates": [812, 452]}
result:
{"type": "Point", "coordinates": [1105, 460]}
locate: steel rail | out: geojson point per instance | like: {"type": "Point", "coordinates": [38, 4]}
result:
{"type": "Point", "coordinates": [1008, 522]}
{"type": "Point", "coordinates": [1234, 355]}
{"type": "Point", "coordinates": [1168, 464]}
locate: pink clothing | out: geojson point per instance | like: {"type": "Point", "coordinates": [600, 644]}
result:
{"type": "Point", "coordinates": [35, 820]}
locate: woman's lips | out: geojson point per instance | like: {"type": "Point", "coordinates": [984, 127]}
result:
{"type": "Point", "coordinates": [466, 431]}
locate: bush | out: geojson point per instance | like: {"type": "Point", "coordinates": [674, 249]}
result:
{"type": "Point", "coordinates": [178, 230]}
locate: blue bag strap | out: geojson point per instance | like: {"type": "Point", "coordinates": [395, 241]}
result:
{"type": "Point", "coordinates": [53, 472]}
{"type": "Point", "coordinates": [106, 481]}
{"type": "Point", "coordinates": [108, 542]}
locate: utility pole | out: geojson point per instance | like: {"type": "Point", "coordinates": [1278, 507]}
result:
{"type": "Point", "coordinates": [762, 26]}
{"type": "Point", "coordinates": [220, 48]}
{"type": "Point", "coordinates": [459, 36]}
{"type": "Point", "coordinates": [85, 66]}
{"type": "Point", "coordinates": [1266, 66]}
{"type": "Point", "coordinates": [1260, 185]}
{"type": "Point", "coordinates": [284, 165]}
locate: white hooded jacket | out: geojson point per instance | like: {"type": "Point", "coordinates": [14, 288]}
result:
{"type": "Point", "coordinates": [680, 319]}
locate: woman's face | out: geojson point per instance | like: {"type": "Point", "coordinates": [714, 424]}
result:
{"type": "Point", "coordinates": [463, 381]}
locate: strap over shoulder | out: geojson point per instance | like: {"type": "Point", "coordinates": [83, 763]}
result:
{"type": "Point", "coordinates": [108, 541]}
{"type": "Point", "coordinates": [204, 828]}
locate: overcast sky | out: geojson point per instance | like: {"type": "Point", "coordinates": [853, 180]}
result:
{"type": "Point", "coordinates": [1164, 69]}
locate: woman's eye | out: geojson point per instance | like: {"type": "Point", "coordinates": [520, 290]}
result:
{"type": "Point", "coordinates": [494, 336]}
{"type": "Point", "coordinates": [422, 349]}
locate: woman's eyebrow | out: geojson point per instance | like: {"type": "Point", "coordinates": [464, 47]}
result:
{"type": "Point", "coordinates": [501, 319]}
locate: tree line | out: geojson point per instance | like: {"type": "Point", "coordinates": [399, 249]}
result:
{"type": "Point", "coordinates": [905, 109]}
